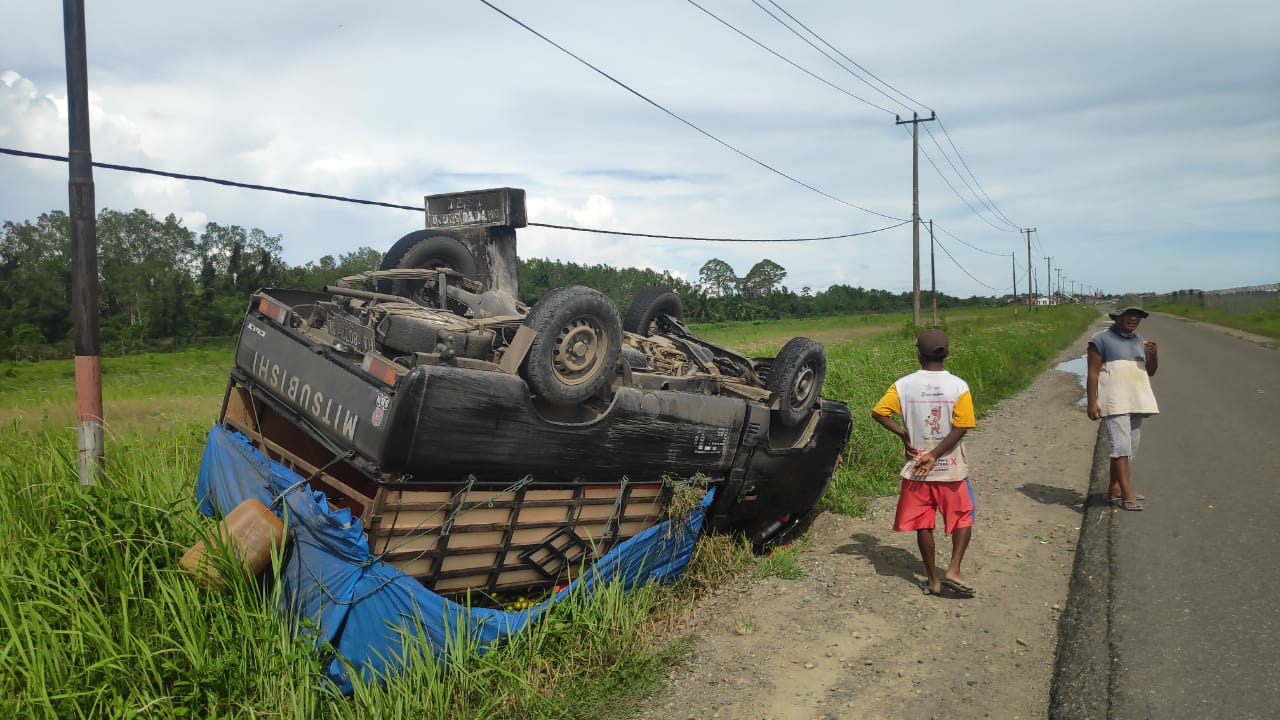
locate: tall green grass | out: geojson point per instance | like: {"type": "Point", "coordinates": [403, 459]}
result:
{"type": "Point", "coordinates": [997, 356]}
{"type": "Point", "coordinates": [98, 621]}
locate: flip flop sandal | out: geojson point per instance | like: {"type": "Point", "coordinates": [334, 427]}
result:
{"type": "Point", "coordinates": [1130, 505]}
{"type": "Point", "coordinates": [1137, 498]}
{"type": "Point", "coordinates": [958, 588]}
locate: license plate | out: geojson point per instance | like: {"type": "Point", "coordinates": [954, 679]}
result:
{"type": "Point", "coordinates": [350, 333]}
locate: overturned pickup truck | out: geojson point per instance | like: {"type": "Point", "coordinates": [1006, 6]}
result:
{"type": "Point", "coordinates": [487, 445]}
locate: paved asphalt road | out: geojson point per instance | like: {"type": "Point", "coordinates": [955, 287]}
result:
{"type": "Point", "coordinates": [1194, 626]}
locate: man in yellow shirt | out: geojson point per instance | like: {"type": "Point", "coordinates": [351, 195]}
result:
{"type": "Point", "coordinates": [936, 410]}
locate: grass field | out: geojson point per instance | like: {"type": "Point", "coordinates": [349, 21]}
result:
{"type": "Point", "coordinates": [98, 621]}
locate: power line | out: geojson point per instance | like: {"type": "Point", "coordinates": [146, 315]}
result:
{"type": "Point", "coordinates": [769, 50]}
{"type": "Point", "coordinates": [719, 239]}
{"type": "Point", "coordinates": [936, 226]}
{"type": "Point", "coordinates": [846, 57]}
{"type": "Point", "coordinates": [672, 114]}
{"type": "Point", "coordinates": [216, 181]}
{"type": "Point", "coordinates": [340, 198]}
{"type": "Point", "coordinates": [966, 272]}
{"type": "Point", "coordinates": [962, 199]}
{"type": "Point", "coordinates": [975, 179]}
{"type": "Point", "coordinates": [960, 175]}
{"type": "Point", "coordinates": [987, 202]}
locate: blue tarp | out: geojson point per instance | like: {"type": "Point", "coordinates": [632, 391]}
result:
{"type": "Point", "coordinates": [364, 607]}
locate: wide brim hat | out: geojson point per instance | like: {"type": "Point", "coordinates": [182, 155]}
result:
{"type": "Point", "coordinates": [1128, 304]}
{"type": "Point", "coordinates": [1129, 309]}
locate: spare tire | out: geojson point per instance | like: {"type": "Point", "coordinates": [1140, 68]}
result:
{"type": "Point", "coordinates": [796, 378]}
{"type": "Point", "coordinates": [575, 352]}
{"type": "Point", "coordinates": [648, 306]}
{"type": "Point", "coordinates": [425, 249]}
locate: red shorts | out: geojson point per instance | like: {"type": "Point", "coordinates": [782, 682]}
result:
{"type": "Point", "coordinates": [918, 502]}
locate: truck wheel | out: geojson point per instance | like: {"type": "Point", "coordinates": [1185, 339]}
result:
{"type": "Point", "coordinates": [796, 378]}
{"type": "Point", "coordinates": [424, 249]}
{"type": "Point", "coordinates": [579, 339]}
{"type": "Point", "coordinates": [646, 308]}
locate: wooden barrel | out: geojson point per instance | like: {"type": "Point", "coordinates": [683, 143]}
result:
{"type": "Point", "coordinates": [251, 530]}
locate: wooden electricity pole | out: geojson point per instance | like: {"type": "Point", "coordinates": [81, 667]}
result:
{"type": "Point", "coordinates": [1013, 265]}
{"type": "Point", "coordinates": [915, 210]}
{"type": "Point", "coordinates": [1048, 278]}
{"type": "Point", "coordinates": [84, 249]}
{"type": "Point", "coordinates": [1028, 231]}
{"type": "Point", "coordinates": [933, 278]}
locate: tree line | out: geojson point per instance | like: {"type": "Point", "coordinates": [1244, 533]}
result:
{"type": "Point", "coordinates": [161, 283]}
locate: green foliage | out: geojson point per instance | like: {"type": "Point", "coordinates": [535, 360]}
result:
{"type": "Point", "coordinates": [996, 356]}
{"type": "Point", "coordinates": [159, 281]}
{"type": "Point", "coordinates": [782, 562]}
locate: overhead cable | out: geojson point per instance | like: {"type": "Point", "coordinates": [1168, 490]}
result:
{"type": "Point", "coordinates": [769, 50]}
{"type": "Point", "coordinates": [975, 179]}
{"type": "Point", "coordinates": [828, 56]}
{"type": "Point", "coordinates": [947, 156]}
{"type": "Point", "coordinates": [962, 199]}
{"type": "Point", "coordinates": [672, 114]}
{"type": "Point", "coordinates": [339, 198]}
{"type": "Point", "coordinates": [216, 181]}
{"type": "Point", "coordinates": [987, 202]}
{"type": "Point", "coordinates": [938, 227]}
{"type": "Point", "coordinates": [722, 239]}
{"type": "Point", "coordinates": [966, 272]}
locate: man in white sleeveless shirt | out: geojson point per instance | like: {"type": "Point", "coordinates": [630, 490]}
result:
{"type": "Point", "coordinates": [1118, 390]}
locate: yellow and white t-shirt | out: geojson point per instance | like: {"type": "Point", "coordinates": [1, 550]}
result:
{"type": "Point", "coordinates": [931, 402]}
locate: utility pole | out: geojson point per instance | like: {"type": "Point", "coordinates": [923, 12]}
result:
{"type": "Point", "coordinates": [1013, 265]}
{"type": "Point", "coordinates": [1048, 279]}
{"type": "Point", "coordinates": [1028, 231]}
{"type": "Point", "coordinates": [915, 209]}
{"type": "Point", "coordinates": [1059, 281]}
{"type": "Point", "coordinates": [84, 249]}
{"type": "Point", "coordinates": [933, 278]}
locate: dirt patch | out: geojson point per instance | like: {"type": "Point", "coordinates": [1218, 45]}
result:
{"type": "Point", "coordinates": [856, 638]}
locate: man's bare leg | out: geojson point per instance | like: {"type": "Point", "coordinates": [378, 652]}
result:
{"type": "Point", "coordinates": [959, 543]}
{"type": "Point", "coordinates": [1119, 487]}
{"type": "Point", "coordinates": [924, 538]}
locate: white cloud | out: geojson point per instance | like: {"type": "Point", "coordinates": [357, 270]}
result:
{"type": "Point", "coordinates": [1090, 121]}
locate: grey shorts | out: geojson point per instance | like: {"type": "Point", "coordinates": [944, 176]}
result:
{"type": "Point", "coordinates": [1124, 431]}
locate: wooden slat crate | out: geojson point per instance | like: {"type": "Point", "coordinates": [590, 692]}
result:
{"type": "Point", "coordinates": [461, 536]}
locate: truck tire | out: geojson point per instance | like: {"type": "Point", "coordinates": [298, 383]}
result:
{"type": "Point", "coordinates": [796, 378]}
{"type": "Point", "coordinates": [424, 249]}
{"type": "Point", "coordinates": [646, 308]}
{"type": "Point", "coordinates": [579, 340]}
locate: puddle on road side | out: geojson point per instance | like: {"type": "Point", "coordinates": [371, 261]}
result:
{"type": "Point", "coordinates": [1080, 368]}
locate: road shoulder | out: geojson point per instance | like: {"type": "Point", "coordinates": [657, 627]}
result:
{"type": "Point", "coordinates": [856, 638]}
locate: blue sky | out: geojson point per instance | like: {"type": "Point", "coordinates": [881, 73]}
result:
{"type": "Point", "coordinates": [1141, 139]}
